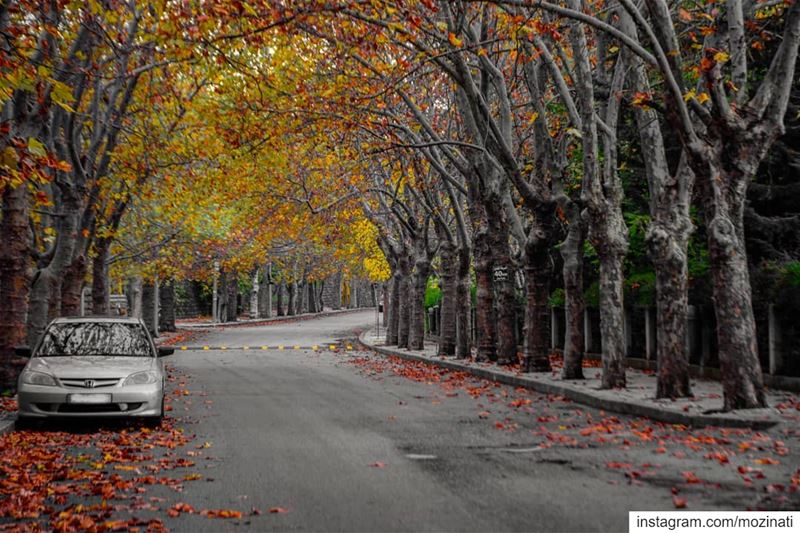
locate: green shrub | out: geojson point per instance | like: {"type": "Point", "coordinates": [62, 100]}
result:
{"type": "Point", "coordinates": [791, 274]}
{"type": "Point", "coordinates": [641, 288]}
{"type": "Point", "coordinates": [557, 298]}
{"type": "Point", "coordinates": [433, 294]}
{"type": "Point", "coordinates": [592, 295]}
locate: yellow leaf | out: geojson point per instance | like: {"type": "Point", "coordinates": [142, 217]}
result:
{"type": "Point", "coordinates": [721, 57]}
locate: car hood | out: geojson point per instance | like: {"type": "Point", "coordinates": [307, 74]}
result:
{"type": "Point", "coordinates": [91, 366]}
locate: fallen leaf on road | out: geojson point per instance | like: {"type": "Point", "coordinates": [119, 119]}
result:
{"type": "Point", "coordinates": [679, 502]}
{"type": "Point", "coordinates": [221, 513]}
{"type": "Point", "coordinates": [378, 464]}
{"type": "Point", "coordinates": [274, 510]}
{"type": "Point", "coordinates": [767, 461]}
{"type": "Point", "coordinates": [691, 478]}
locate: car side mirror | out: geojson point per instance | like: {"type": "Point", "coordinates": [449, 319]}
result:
{"type": "Point", "coordinates": [23, 351]}
{"type": "Point", "coordinates": [164, 351]}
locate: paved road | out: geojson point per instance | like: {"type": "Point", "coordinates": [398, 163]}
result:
{"type": "Point", "coordinates": [299, 430]}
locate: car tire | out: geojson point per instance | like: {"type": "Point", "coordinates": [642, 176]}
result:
{"type": "Point", "coordinates": [155, 421]}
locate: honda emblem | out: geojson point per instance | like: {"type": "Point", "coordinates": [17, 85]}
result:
{"type": "Point", "coordinates": [88, 383]}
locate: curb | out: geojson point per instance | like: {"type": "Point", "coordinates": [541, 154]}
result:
{"type": "Point", "coordinates": [580, 396]}
{"type": "Point", "coordinates": [259, 321]}
{"type": "Point", "coordinates": [6, 427]}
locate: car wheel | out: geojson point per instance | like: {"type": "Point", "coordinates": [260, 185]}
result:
{"type": "Point", "coordinates": [155, 421]}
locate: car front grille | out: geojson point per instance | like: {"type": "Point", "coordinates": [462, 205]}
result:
{"type": "Point", "coordinates": [88, 408]}
{"type": "Point", "coordinates": [89, 383]}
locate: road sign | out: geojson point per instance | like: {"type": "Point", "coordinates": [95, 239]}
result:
{"type": "Point", "coordinates": [500, 273]}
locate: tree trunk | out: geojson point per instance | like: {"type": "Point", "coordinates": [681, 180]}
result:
{"type": "Point", "coordinates": [148, 306]}
{"type": "Point", "coordinates": [100, 295]}
{"type": "Point", "coordinates": [39, 297]}
{"type": "Point", "coordinates": [264, 296]}
{"type": "Point", "coordinates": [312, 298]}
{"type": "Point", "coordinates": [135, 297]}
{"type": "Point", "coordinates": [484, 309]}
{"type": "Point", "coordinates": [668, 253]}
{"type": "Point", "coordinates": [422, 268]}
{"type": "Point", "coordinates": [233, 297]}
{"type": "Point", "coordinates": [449, 303]}
{"type": "Point", "coordinates": [404, 302]}
{"type": "Point", "coordinates": [72, 286]}
{"type": "Point", "coordinates": [222, 296]}
{"type": "Point", "coordinates": [504, 294]}
{"type": "Point", "coordinates": [537, 312]}
{"type": "Point", "coordinates": [574, 305]}
{"type": "Point", "coordinates": [291, 308]}
{"type": "Point", "coordinates": [302, 297]}
{"type": "Point", "coordinates": [463, 305]}
{"type": "Point", "coordinates": [393, 310]}
{"type": "Point", "coordinates": [166, 316]}
{"type": "Point", "coordinates": [742, 380]}
{"type": "Point", "coordinates": [612, 320]}
{"type": "Point", "coordinates": [281, 311]}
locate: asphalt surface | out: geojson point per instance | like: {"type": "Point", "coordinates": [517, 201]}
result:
{"type": "Point", "coordinates": [340, 448]}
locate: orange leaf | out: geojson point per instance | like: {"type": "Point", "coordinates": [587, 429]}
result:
{"type": "Point", "coordinates": [455, 41]}
{"type": "Point", "coordinates": [221, 513]}
{"type": "Point", "coordinates": [679, 502]}
{"type": "Point", "coordinates": [278, 510]}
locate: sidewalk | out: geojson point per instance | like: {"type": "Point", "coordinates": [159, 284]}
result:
{"type": "Point", "coordinates": [637, 399]}
{"type": "Point", "coordinates": [254, 321]}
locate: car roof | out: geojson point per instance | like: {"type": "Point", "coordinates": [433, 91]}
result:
{"type": "Point", "coordinates": [90, 319]}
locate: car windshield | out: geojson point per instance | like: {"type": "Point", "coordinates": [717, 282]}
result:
{"type": "Point", "coordinates": [94, 338]}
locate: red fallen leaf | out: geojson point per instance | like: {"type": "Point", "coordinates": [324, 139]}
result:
{"type": "Point", "coordinates": [660, 449]}
{"type": "Point", "coordinates": [221, 513]}
{"type": "Point", "coordinates": [767, 461]}
{"type": "Point", "coordinates": [275, 510]}
{"type": "Point", "coordinates": [774, 487]}
{"type": "Point", "coordinates": [721, 457]}
{"type": "Point", "coordinates": [182, 508]}
{"type": "Point", "coordinates": [678, 502]}
{"type": "Point", "coordinates": [376, 464]}
{"type": "Point", "coordinates": [499, 425]}
{"type": "Point", "coordinates": [614, 464]}
{"type": "Point", "coordinates": [690, 477]}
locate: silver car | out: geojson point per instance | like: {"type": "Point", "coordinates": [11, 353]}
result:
{"type": "Point", "coordinates": [93, 367]}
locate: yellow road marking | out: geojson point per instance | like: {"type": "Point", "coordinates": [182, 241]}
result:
{"type": "Point", "coordinates": [332, 346]}
{"type": "Point", "coordinates": [280, 347]}
{"type": "Point", "coordinates": [183, 347]}
{"type": "Point", "coordinates": [315, 347]}
{"type": "Point", "coordinates": [349, 346]}
{"type": "Point", "coordinates": [245, 347]}
{"type": "Point", "coordinates": [205, 347]}
{"type": "Point", "coordinates": [296, 347]}
{"type": "Point", "coordinates": [263, 347]}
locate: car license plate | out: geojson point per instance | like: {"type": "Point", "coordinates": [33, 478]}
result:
{"type": "Point", "coordinates": [89, 398]}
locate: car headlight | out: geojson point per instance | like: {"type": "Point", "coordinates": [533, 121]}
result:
{"type": "Point", "coordinates": [31, 377]}
{"type": "Point", "coordinates": [141, 378]}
